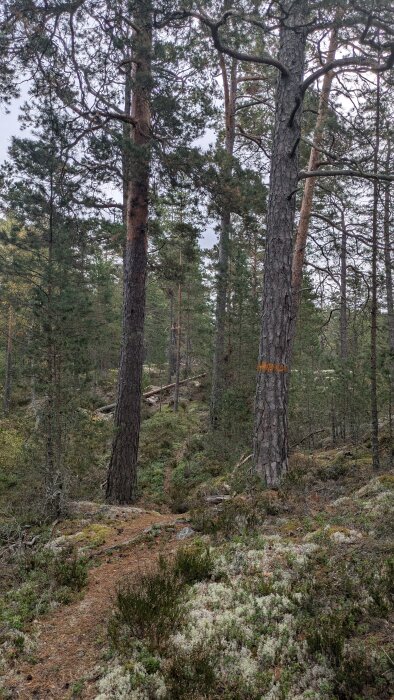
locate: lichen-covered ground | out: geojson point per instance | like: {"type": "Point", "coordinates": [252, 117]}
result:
{"type": "Point", "coordinates": [53, 646]}
{"type": "Point", "coordinates": [294, 605]}
{"type": "Point", "coordinates": [297, 605]}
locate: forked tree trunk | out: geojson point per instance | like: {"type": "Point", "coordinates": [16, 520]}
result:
{"type": "Point", "coordinates": [374, 292]}
{"type": "Point", "coordinates": [389, 294]}
{"type": "Point", "coordinates": [218, 367]}
{"type": "Point", "coordinates": [309, 188]}
{"type": "Point", "coordinates": [122, 473]}
{"type": "Point", "coordinates": [271, 410]}
{"type": "Point", "coordinates": [8, 363]}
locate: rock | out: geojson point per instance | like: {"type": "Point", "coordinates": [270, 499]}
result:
{"type": "Point", "coordinates": [343, 500]}
{"type": "Point", "coordinates": [57, 545]}
{"type": "Point", "coordinates": [344, 535]}
{"type": "Point", "coordinates": [103, 510]}
{"type": "Point", "coordinates": [185, 533]}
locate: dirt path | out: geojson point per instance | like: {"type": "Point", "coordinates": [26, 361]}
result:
{"type": "Point", "coordinates": [71, 640]}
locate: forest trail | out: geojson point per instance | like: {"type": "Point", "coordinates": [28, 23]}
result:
{"type": "Point", "coordinates": [70, 640]}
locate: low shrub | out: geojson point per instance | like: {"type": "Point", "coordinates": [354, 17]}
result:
{"type": "Point", "coordinates": [70, 571]}
{"type": "Point", "coordinates": [237, 516]}
{"type": "Point", "coordinates": [194, 562]}
{"type": "Point", "coordinates": [149, 607]}
{"type": "Point", "coordinates": [192, 675]}
{"type": "Point", "coordinates": [42, 578]}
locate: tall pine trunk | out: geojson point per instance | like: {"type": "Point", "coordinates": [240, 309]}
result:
{"type": "Point", "coordinates": [53, 473]}
{"type": "Point", "coordinates": [178, 341]}
{"type": "Point", "coordinates": [343, 327]}
{"type": "Point", "coordinates": [218, 367]}
{"type": "Point", "coordinates": [389, 294]}
{"type": "Point", "coordinates": [374, 291]}
{"type": "Point", "coordinates": [309, 188]}
{"type": "Point", "coordinates": [122, 472]}
{"type": "Point", "coordinates": [271, 408]}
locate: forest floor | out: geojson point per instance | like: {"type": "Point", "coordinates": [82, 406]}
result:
{"type": "Point", "coordinates": [69, 642]}
{"type": "Point", "coordinates": [287, 595]}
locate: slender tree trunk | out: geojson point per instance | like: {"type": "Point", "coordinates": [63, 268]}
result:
{"type": "Point", "coordinates": [8, 363]}
{"type": "Point", "coordinates": [343, 332]}
{"type": "Point", "coordinates": [122, 472]}
{"type": "Point", "coordinates": [126, 146]}
{"type": "Point", "coordinates": [188, 338]}
{"type": "Point", "coordinates": [389, 295]}
{"type": "Point", "coordinates": [178, 342]}
{"type": "Point", "coordinates": [254, 266]}
{"type": "Point", "coordinates": [53, 473]}
{"type": "Point", "coordinates": [271, 409]}
{"type": "Point", "coordinates": [218, 367]}
{"type": "Point", "coordinates": [171, 340]}
{"type": "Point", "coordinates": [374, 294]}
{"type": "Point", "coordinates": [309, 188]}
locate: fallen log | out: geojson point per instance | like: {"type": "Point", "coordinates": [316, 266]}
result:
{"type": "Point", "coordinates": [314, 432]}
{"type": "Point", "coordinates": [217, 499]}
{"type": "Point", "coordinates": [111, 406]}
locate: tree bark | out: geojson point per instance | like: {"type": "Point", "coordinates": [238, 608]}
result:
{"type": "Point", "coordinates": [122, 472]}
{"type": "Point", "coordinates": [271, 409]}
{"type": "Point", "coordinates": [53, 473]}
{"type": "Point", "coordinates": [8, 363]}
{"type": "Point", "coordinates": [389, 295]}
{"type": "Point", "coordinates": [343, 329]}
{"type": "Point", "coordinates": [309, 188]}
{"type": "Point", "coordinates": [188, 349]}
{"type": "Point", "coordinates": [171, 339]}
{"type": "Point", "coordinates": [374, 291]}
{"type": "Point", "coordinates": [178, 341]}
{"type": "Point", "coordinates": [218, 366]}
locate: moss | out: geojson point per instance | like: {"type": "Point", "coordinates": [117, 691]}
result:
{"type": "Point", "coordinates": [291, 527]}
{"type": "Point", "coordinates": [151, 480]}
{"type": "Point", "coordinates": [387, 480]}
{"type": "Point", "coordinates": [93, 535]}
{"type": "Point", "coordinates": [168, 440]}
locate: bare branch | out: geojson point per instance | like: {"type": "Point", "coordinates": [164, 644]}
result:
{"type": "Point", "coordinates": [362, 61]}
{"type": "Point", "coordinates": [214, 27]}
{"type": "Point", "coordinates": [387, 177]}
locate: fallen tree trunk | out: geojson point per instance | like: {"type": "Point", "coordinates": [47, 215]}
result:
{"type": "Point", "coordinates": [110, 407]}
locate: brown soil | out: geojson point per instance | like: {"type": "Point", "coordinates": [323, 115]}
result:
{"type": "Point", "coordinates": [72, 639]}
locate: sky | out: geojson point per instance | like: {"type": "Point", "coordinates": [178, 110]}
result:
{"type": "Point", "coordinates": [10, 126]}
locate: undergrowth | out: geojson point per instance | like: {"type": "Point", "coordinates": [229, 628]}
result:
{"type": "Point", "coordinates": [300, 615]}
{"type": "Point", "coordinates": [150, 606]}
{"type": "Point", "coordinates": [40, 580]}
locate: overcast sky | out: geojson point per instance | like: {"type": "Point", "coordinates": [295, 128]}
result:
{"type": "Point", "coordinates": [10, 126]}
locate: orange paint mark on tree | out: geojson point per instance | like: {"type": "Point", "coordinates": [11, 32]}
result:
{"type": "Point", "coordinates": [271, 367]}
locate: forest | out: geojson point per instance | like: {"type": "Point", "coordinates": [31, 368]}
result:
{"type": "Point", "coordinates": [196, 350]}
